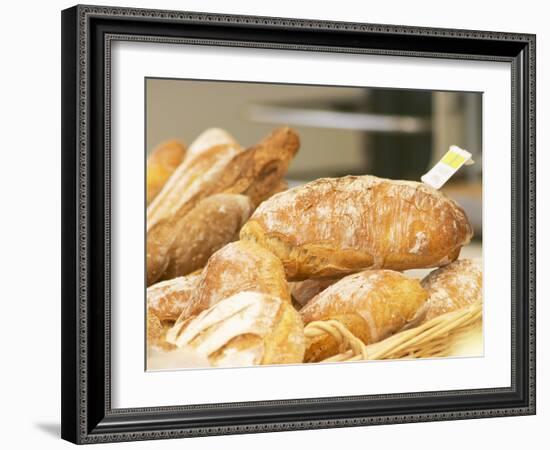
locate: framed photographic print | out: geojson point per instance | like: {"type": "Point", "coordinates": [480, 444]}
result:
{"type": "Point", "coordinates": [283, 224]}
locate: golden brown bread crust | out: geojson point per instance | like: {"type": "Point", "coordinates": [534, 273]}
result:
{"type": "Point", "coordinates": [303, 291]}
{"type": "Point", "coordinates": [183, 246]}
{"type": "Point", "coordinates": [249, 328]}
{"type": "Point", "coordinates": [335, 226]}
{"type": "Point", "coordinates": [255, 173]}
{"type": "Point", "coordinates": [192, 181]}
{"type": "Point", "coordinates": [452, 287]}
{"type": "Point", "coordinates": [212, 137]}
{"type": "Point", "coordinates": [281, 186]}
{"type": "Point", "coordinates": [213, 223]}
{"type": "Point", "coordinates": [237, 267]}
{"type": "Point", "coordinates": [154, 328]}
{"type": "Point", "coordinates": [167, 299]}
{"type": "Point", "coordinates": [372, 304]}
{"type": "Point", "coordinates": [156, 333]}
{"type": "Point", "coordinates": [162, 162]}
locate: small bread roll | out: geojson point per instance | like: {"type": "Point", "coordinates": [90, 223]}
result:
{"type": "Point", "coordinates": [337, 226]}
{"type": "Point", "coordinates": [161, 164]}
{"type": "Point", "coordinates": [372, 304]}
{"type": "Point", "coordinates": [451, 288]}
{"type": "Point", "coordinates": [249, 328]}
{"type": "Point", "coordinates": [237, 267]}
{"type": "Point", "coordinates": [167, 299]}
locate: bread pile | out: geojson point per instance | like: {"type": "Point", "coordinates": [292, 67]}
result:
{"type": "Point", "coordinates": [237, 264]}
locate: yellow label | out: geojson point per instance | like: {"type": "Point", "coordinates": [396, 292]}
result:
{"type": "Point", "coordinates": [447, 166]}
{"type": "Point", "coordinates": [453, 159]}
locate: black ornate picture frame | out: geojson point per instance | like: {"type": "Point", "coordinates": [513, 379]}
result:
{"type": "Point", "coordinates": [87, 34]}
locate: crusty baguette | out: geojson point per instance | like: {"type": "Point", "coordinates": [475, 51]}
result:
{"type": "Point", "coordinates": [161, 164]}
{"type": "Point", "coordinates": [249, 328]}
{"type": "Point", "coordinates": [256, 172]}
{"type": "Point", "coordinates": [237, 267]}
{"type": "Point", "coordinates": [452, 287]}
{"type": "Point", "coordinates": [372, 304]}
{"type": "Point", "coordinates": [167, 299]}
{"type": "Point", "coordinates": [212, 137]}
{"type": "Point", "coordinates": [336, 226]}
{"type": "Point", "coordinates": [182, 245]}
{"type": "Point", "coordinates": [192, 181]}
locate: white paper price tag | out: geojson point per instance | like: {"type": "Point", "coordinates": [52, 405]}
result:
{"type": "Point", "coordinates": [447, 166]}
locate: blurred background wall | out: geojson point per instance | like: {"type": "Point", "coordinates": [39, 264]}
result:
{"type": "Point", "coordinates": [183, 109]}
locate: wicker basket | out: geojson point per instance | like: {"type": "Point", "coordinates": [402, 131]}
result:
{"type": "Point", "coordinates": [434, 338]}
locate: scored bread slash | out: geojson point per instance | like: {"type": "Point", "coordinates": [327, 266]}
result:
{"type": "Point", "coordinates": [447, 166]}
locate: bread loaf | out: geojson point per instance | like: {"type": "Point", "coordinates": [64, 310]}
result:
{"type": "Point", "coordinates": [167, 299]}
{"type": "Point", "coordinates": [154, 329]}
{"type": "Point", "coordinates": [336, 226]}
{"type": "Point", "coordinates": [256, 173]}
{"type": "Point", "coordinates": [452, 287]}
{"type": "Point", "coordinates": [237, 267]}
{"type": "Point", "coordinates": [182, 245]}
{"type": "Point", "coordinates": [281, 186]}
{"type": "Point", "coordinates": [191, 182]}
{"type": "Point", "coordinates": [162, 162]}
{"type": "Point", "coordinates": [372, 304]}
{"type": "Point", "coordinates": [249, 328]}
{"type": "Point", "coordinates": [303, 291]}
{"type": "Point", "coordinates": [212, 137]}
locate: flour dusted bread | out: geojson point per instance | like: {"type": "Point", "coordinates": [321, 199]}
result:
{"type": "Point", "coordinates": [237, 267]}
{"type": "Point", "coordinates": [212, 137]}
{"type": "Point", "coordinates": [215, 221]}
{"type": "Point", "coordinates": [191, 182]}
{"type": "Point", "coordinates": [162, 162]}
{"type": "Point", "coordinates": [249, 328]}
{"type": "Point", "coordinates": [255, 173]}
{"type": "Point", "coordinates": [181, 246]}
{"type": "Point", "coordinates": [156, 333]}
{"type": "Point", "coordinates": [372, 304]}
{"type": "Point", "coordinates": [167, 299]}
{"type": "Point", "coordinates": [452, 287]}
{"type": "Point", "coordinates": [335, 226]}
{"type": "Point", "coordinates": [303, 291]}
{"type": "Point", "coordinates": [154, 329]}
